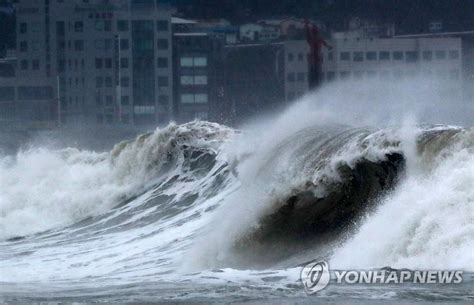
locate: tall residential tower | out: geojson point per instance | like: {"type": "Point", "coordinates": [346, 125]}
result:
{"type": "Point", "coordinates": [109, 62]}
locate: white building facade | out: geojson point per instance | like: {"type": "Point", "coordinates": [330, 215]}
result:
{"type": "Point", "coordinates": [385, 59]}
{"type": "Point", "coordinates": [393, 58]}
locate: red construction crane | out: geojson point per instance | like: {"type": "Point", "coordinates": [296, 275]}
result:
{"type": "Point", "coordinates": [315, 57]}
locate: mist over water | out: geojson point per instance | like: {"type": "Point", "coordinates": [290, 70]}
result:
{"type": "Point", "coordinates": [185, 200]}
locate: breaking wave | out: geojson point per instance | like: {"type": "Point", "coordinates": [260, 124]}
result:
{"type": "Point", "coordinates": [202, 196]}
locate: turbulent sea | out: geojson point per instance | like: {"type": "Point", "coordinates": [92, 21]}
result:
{"type": "Point", "coordinates": [204, 213]}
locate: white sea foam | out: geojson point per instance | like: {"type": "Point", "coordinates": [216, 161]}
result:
{"type": "Point", "coordinates": [194, 220]}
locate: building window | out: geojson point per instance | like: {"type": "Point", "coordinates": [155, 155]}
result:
{"type": "Point", "coordinates": [344, 56]}
{"type": "Point", "coordinates": [125, 81]}
{"type": "Point", "coordinates": [398, 55]}
{"type": "Point", "coordinates": [330, 56]}
{"type": "Point", "coordinates": [125, 100]}
{"type": "Point", "coordinates": [162, 44]}
{"type": "Point", "coordinates": [60, 29]}
{"type": "Point", "coordinates": [98, 100]}
{"type": "Point", "coordinates": [187, 80]}
{"type": "Point", "coordinates": [78, 26]}
{"type": "Point", "coordinates": [411, 56]}
{"type": "Point", "coordinates": [440, 54]}
{"type": "Point", "coordinates": [291, 77]}
{"type": "Point", "coordinates": [124, 44]}
{"type": "Point", "coordinates": [61, 65]}
{"type": "Point", "coordinates": [144, 109]}
{"type": "Point", "coordinates": [35, 64]}
{"type": "Point", "coordinates": [99, 25]}
{"type": "Point", "coordinates": [358, 56]}
{"type": "Point", "coordinates": [98, 63]}
{"type": "Point", "coordinates": [24, 64]}
{"type": "Point", "coordinates": [100, 118]}
{"type": "Point", "coordinates": [371, 55]}
{"type": "Point", "coordinates": [200, 61]}
{"type": "Point", "coordinates": [144, 45]}
{"type": "Point", "coordinates": [162, 25]}
{"type": "Point", "coordinates": [331, 75]}
{"type": "Point", "coordinates": [200, 80]}
{"type": "Point", "coordinates": [99, 82]}
{"type": "Point", "coordinates": [300, 57]}
{"type": "Point", "coordinates": [193, 61]}
{"type": "Point", "coordinates": [108, 81]}
{"type": "Point", "coordinates": [163, 81]}
{"type": "Point", "coordinates": [453, 54]}
{"type": "Point", "coordinates": [200, 98]}
{"type": "Point", "coordinates": [384, 55]}
{"type": "Point", "coordinates": [193, 80]}
{"type": "Point", "coordinates": [23, 28]}
{"type": "Point", "coordinates": [427, 55]}
{"type": "Point", "coordinates": [23, 46]}
{"type": "Point", "coordinates": [187, 98]}
{"type": "Point", "coordinates": [122, 25]}
{"type": "Point", "coordinates": [109, 100]}
{"type": "Point", "coordinates": [300, 77]}
{"type": "Point", "coordinates": [107, 25]}
{"type": "Point", "coordinates": [79, 45]}
{"type": "Point", "coordinates": [186, 62]}
{"type": "Point", "coordinates": [108, 63]}
{"type": "Point", "coordinates": [291, 57]}
{"type": "Point", "coordinates": [124, 63]}
{"type": "Point", "coordinates": [162, 62]}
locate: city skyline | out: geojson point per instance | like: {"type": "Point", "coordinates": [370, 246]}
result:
{"type": "Point", "coordinates": [137, 63]}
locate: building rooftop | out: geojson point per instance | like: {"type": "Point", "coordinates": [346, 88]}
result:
{"type": "Point", "coordinates": [460, 33]}
{"type": "Point", "coordinates": [177, 20]}
{"type": "Point", "coordinates": [190, 34]}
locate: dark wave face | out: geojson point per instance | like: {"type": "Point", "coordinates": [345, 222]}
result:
{"type": "Point", "coordinates": [189, 210]}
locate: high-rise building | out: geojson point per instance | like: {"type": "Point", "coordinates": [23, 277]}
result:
{"type": "Point", "coordinates": [109, 62]}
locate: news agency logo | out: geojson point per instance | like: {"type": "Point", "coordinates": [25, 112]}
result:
{"type": "Point", "coordinates": [316, 275]}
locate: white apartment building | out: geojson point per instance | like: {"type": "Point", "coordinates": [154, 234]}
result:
{"type": "Point", "coordinates": [393, 58]}
{"type": "Point", "coordinates": [388, 59]}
